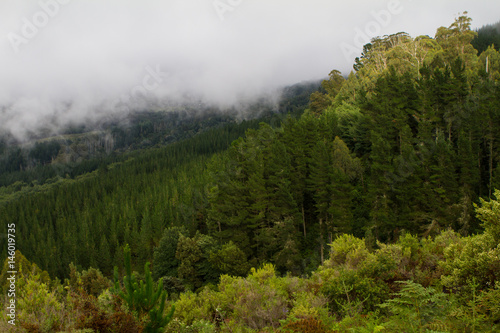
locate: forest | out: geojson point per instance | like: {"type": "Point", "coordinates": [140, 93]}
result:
{"type": "Point", "coordinates": [371, 204]}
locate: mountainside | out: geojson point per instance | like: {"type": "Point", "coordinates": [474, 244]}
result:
{"type": "Point", "coordinates": [487, 36]}
{"type": "Point", "coordinates": [371, 205]}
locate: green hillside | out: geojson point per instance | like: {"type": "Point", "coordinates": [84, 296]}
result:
{"type": "Point", "coordinates": [372, 210]}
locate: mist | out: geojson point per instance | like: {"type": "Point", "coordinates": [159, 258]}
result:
{"type": "Point", "coordinates": [76, 61]}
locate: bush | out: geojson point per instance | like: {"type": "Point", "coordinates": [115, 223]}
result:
{"type": "Point", "coordinates": [90, 281]}
{"type": "Point", "coordinates": [230, 259]}
{"type": "Point", "coordinates": [349, 292]}
{"type": "Point", "coordinates": [475, 258]}
{"type": "Point", "coordinates": [489, 214]}
{"type": "Point", "coordinates": [369, 323]}
{"type": "Point", "coordinates": [309, 325]}
{"type": "Point", "coordinates": [190, 306]}
{"type": "Point", "coordinates": [416, 309]}
{"type": "Point", "coordinates": [347, 250]}
{"type": "Point", "coordinates": [257, 302]}
{"type": "Point", "coordinates": [307, 304]}
{"type": "Point", "coordinates": [38, 308]}
{"type": "Point", "coordinates": [88, 314]}
{"type": "Point", "coordinates": [351, 277]}
{"type": "Point", "coordinates": [198, 326]}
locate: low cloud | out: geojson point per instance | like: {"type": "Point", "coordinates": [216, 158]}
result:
{"type": "Point", "coordinates": [67, 61]}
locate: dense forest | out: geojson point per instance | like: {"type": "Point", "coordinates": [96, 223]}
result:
{"type": "Point", "coordinates": [371, 209]}
{"type": "Point", "coordinates": [487, 36]}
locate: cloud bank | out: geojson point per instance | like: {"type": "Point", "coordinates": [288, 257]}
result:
{"type": "Point", "coordinates": [68, 61]}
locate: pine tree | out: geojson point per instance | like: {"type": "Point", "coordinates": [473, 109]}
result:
{"type": "Point", "coordinates": [165, 262]}
{"type": "Point", "coordinates": [104, 260]}
{"type": "Point", "coordinates": [143, 297]}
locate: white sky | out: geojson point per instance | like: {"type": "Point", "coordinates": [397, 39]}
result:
{"type": "Point", "coordinates": [63, 59]}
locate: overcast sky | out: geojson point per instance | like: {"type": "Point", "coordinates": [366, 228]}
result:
{"type": "Point", "coordinates": [64, 60]}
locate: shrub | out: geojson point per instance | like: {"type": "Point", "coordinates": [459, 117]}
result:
{"type": "Point", "coordinates": [351, 277]}
{"type": "Point", "coordinates": [416, 309]}
{"type": "Point", "coordinates": [474, 258]}
{"type": "Point", "coordinates": [230, 259]}
{"type": "Point", "coordinates": [309, 305]}
{"type": "Point", "coordinates": [89, 313]}
{"type": "Point", "coordinates": [25, 269]}
{"type": "Point", "coordinates": [369, 323]}
{"type": "Point", "coordinates": [350, 292]}
{"type": "Point", "coordinates": [481, 313]}
{"type": "Point", "coordinates": [91, 281]}
{"type": "Point", "coordinates": [191, 306]}
{"type": "Point", "coordinates": [347, 250]}
{"type": "Point", "coordinates": [308, 325]}
{"type": "Point", "coordinates": [38, 308]}
{"type": "Point", "coordinates": [489, 214]}
{"type": "Point", "coordinates": [198, 326]}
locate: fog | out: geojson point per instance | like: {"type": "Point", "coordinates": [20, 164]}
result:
{"type": "Point", "coordinates": [69, 61]}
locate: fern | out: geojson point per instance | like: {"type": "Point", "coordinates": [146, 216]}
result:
{"type": "Point", "coordinates": [416, 307]}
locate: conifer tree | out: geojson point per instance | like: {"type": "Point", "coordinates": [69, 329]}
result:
{"type": "Point", "coordinates": [142, 296]}
{"type": "Point", "coordinates": [165, 261]}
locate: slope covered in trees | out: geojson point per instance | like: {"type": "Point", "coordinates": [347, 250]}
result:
{"type": "Point", "coordinates": [376, 205]}
{"type": "Point", "coordinates": [487, 36]}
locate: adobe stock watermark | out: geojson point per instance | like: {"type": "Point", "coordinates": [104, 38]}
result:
{"type": "Point", "coordinates": [381, 19]}
{"type": "Point", "coordinates": [224, 6]}
{"type": "Point", "coordinates": [76, 149]}
{"type": "Point", "coordinates": [151, 81]}
{"type": "Point", "coordinates": [11, 270]}
{"type": "Point", "coordinates": [30, 28]}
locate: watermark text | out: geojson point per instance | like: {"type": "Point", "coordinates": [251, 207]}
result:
{"type": "Point", "coordinates": [11, 291]}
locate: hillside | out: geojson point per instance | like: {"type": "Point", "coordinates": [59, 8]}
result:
{"type": "Point", "coordinates": [373, 208]}
{"type": "Point", "coordinates": [487, 36]}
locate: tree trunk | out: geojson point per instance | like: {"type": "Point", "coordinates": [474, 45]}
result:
{"type": "Point", "coordinates": [303, 219]}
{"type": "Point", "coordinates": [321, 239]}
{"type": "Point", "coordinates": [491, 167]}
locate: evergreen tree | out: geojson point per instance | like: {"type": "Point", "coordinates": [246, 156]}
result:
{"type": "Point", "coordinates": [165, 261]}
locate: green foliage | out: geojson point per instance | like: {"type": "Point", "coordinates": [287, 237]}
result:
{"type": "Point", "coordinates": [347, 250]}
{"type": "Point", "coordinates": [351, 292]}
{"type": "Point", "coordinates": [198, 326]}
{"type": "Point", "coordinates": [370, 323]}
{"type": "Point", "coordinates": [475, 259]}
{"type": "Point", "coordinates": [190, 306]}
{"type": "Point", "coordinates": [489, 214]}
{"type": "Point", "coordinates": [89, 314]}
{"type": "Point", "coordinates": [165, 262]}
{"type": "Point", "coordinates": [483, 310]}
{"type": "Point", "coordinates": [230, 260]}
{"type": "Point", "coordinates": [143, 297]}
{"type": "Point", "coordinates": [349, 286]}
{"type": "Point", "coordinates": [90, 281]}
{"type": "Point", "coordinates": [259, 301]}
{"type": "Point", "coordinates": [309, 305]}
{"type": "Point", "coordinates": [173, 285]}
{"type": "Point", "coordinates": [399, 153]}
{"type": "Point", "coordinates": [416, 308]}
{"type": "Point", "coordinates": [24, 269]}
{"type": "Point", "coordinates": [486, 36]}
{"type": "Point", "coordinates": [309, 325]}
{"type": "Point", "coordinates": [194, 257]}
{"type": "Point", "coordinates": [38, 306]}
